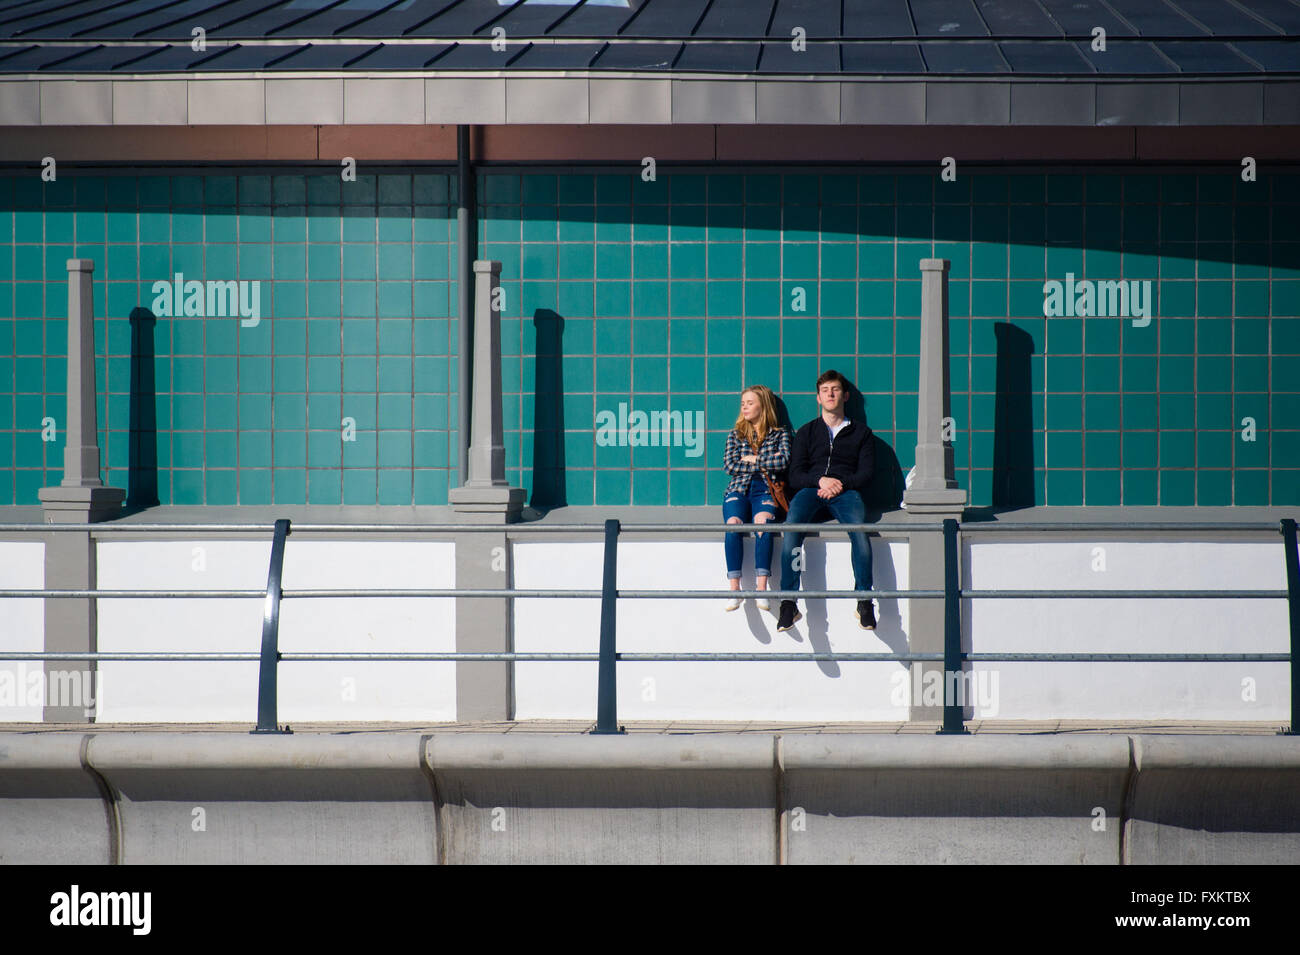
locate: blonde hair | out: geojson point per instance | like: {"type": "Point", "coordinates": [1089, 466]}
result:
{"type": "Point", "coordinates": [755, 435]}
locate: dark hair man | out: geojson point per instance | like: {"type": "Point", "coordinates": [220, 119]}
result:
{"type": "Point", "coordinates": [831, 463]}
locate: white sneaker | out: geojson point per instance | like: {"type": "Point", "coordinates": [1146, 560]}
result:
{"type": "Point", "coordinates": [763, 604]}
{"type": "Point", "coordinates": [732, 604]}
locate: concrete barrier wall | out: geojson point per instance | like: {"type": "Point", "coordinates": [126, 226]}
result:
{"type": "Point", "coordinates": [983, 799]}
{"type": "Point", "coordinates": [593, 799]}
{"type": "Point", "coordinates": [218, 798]}
{"type": "Point", "coordinates": [543, 798]}
{"type": "Point", "coordinates": [1215, 801]}
{"type": "Point", "coordinates": [53, 810]}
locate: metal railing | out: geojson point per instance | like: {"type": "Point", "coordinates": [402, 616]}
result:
{"type": "Point", "coordinates": [608, 656]}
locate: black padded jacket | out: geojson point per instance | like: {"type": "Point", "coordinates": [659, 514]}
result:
{"type": "Point", "coordinates": [849, 458]}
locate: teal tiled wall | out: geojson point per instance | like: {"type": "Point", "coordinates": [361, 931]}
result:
{"type": "Point", "coordinates": [356, 324]}
{"type": "Point", "coordinates": [676, 294]}
{"type": "Point", "coordinates": [667, 296]}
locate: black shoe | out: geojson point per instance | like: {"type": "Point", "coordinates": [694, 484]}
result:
{"type": "Point", "coordinates": [866, 615]}
{"type": "Point", "coordinates": [789, 614]}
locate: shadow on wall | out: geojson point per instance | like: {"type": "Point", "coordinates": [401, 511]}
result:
{"type": "Point", "coordinates": [1013, 420]}
{"type": "Point", "coordinates": [549, 487]}
{"type": "Point", "coordinates": [885, 492]}
{"type": "Point", "coordinates": [817, 613]}
{"type": "Point", "coordinates": [142, 461]}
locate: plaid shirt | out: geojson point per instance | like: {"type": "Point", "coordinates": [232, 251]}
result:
{"type": "Point", "coordinates": [774, 454]}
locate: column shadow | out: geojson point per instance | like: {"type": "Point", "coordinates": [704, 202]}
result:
{"type": "Point", "coordinates": [1013, 420]}
{"type": "Point", "coordinates": [142, 453]}
{"type": "Point", "coordinates": [550, 489]}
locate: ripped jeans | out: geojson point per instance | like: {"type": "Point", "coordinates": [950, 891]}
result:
{"type": "Point", "coordinates": [746, 507]}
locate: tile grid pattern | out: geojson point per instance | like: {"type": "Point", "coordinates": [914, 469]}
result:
{"type": "Point", "coordinates": [248, 415]}
{"type": "Point", "coordinates": [1121, 413]}
{"type": "Point", "coordinates": [674, 295]}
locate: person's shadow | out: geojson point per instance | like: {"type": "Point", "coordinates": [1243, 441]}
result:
{"type": "Point", "coordinates": [758, 626]}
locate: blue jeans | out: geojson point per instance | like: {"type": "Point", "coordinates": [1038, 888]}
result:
{"type": "Point", "coordinates": [746, 507]}
{"type": "Point", "coordinates": [847, 508]}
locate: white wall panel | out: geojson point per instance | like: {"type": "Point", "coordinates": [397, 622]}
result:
{"type": "Point", "coordinates": [220, 691]}
{"type": "Point", "coordinates": [1117, 691]}
{"type": "Point", "coordinates": [799, 691]}
{"type": "Point", "coordinates": [22, 627]}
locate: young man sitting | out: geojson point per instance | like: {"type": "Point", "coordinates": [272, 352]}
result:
{"type": "Point", "coordinates": [831, 463]}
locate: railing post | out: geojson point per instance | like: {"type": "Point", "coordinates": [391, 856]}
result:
{"type": "Point", "coordinates": [267, 704]}
{"type": "Point", "coordinates": [607, 679]}
{"type": "Point", "coordinates": [953, 702]}
{"type": "Point", "coordinates": [1293, 605]}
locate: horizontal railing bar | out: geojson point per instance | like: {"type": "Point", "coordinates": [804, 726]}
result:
{"type": "Point", "coordinates": [1127, 657]}
{"type": "Point", "coordinates": [463, 592]}
{"type": "Point", "coordinates": [529, 527]}
{"type": "Point", "coordinates": [141, 594]}
{"type": "Point", "coordinates": [1253, 526]}
{"type": "Point", "coordinates": [124, 655]}
{"type": "Point", "coordinates": [299, 528]}
{"type": "Point", "coordinates": [150, 528]}
{"type": "Point", "coordinates": [779, 594]}
{"type": "Point", "coordinates": [1125, 594]}
{"type": "Point", "coordinates": [772, 526]}
{"type": "Point", "coordinates": [594, 657]}
{"type": "Point", "coordinates": [659, 594]}
{"type": "Point", "coordinates": [1070, 657]}
{"type": "Point", "coordinates": [144, 594]}
{"type": "Point", "coordinates": [785, 657]}
{"type": "Point", "coordinates": [379, 656]}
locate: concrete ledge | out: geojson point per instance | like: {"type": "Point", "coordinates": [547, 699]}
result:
{"type": "Point", "coordinates": [52, 812]}
{"type": "Point", "coordinates": [1207, 801]}
{"type": "Point", "coordinates": [544, 752]}
{"type": "Point", "coordinates": [258, 799]}
{"type": "Point", "coordinates": [1008, 799]}
{"type": "Point", "coordinates": [853, 753]}
{"type": "Point", "coordinates": [760, 798]}
{"type": "Point", "coordinates": [205, 752]}
{"type": "Point", "coordinates": [583, 800]}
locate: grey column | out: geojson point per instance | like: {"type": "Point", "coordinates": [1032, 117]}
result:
{"type": "Point", "coordinates": [934, 487]}
{"type": "Point", "coordinates": [81, 498]}
{"type": "Point", "coordinates": [486, 497]}
{"type": "Point", "coordinates": [485, 691]}
{"type": "Point", "coordinates": [934, 494]}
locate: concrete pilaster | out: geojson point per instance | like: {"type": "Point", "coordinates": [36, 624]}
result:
{"type": "Point", "coordinates": [934, 487]}
{"type": "Point", "coordinates": [81, 498]}
{"type": "Point", "coordinates": [934, 494]}
{"type": "Point", "coordinates": [486, 497]}
{"type": "Point", "coordinates": [484, 691]}
{"type": "Point", "coordinates": [71, 625]}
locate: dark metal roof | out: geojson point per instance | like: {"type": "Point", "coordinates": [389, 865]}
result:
{"type": "Point", "coordinates": [1177, 38]}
